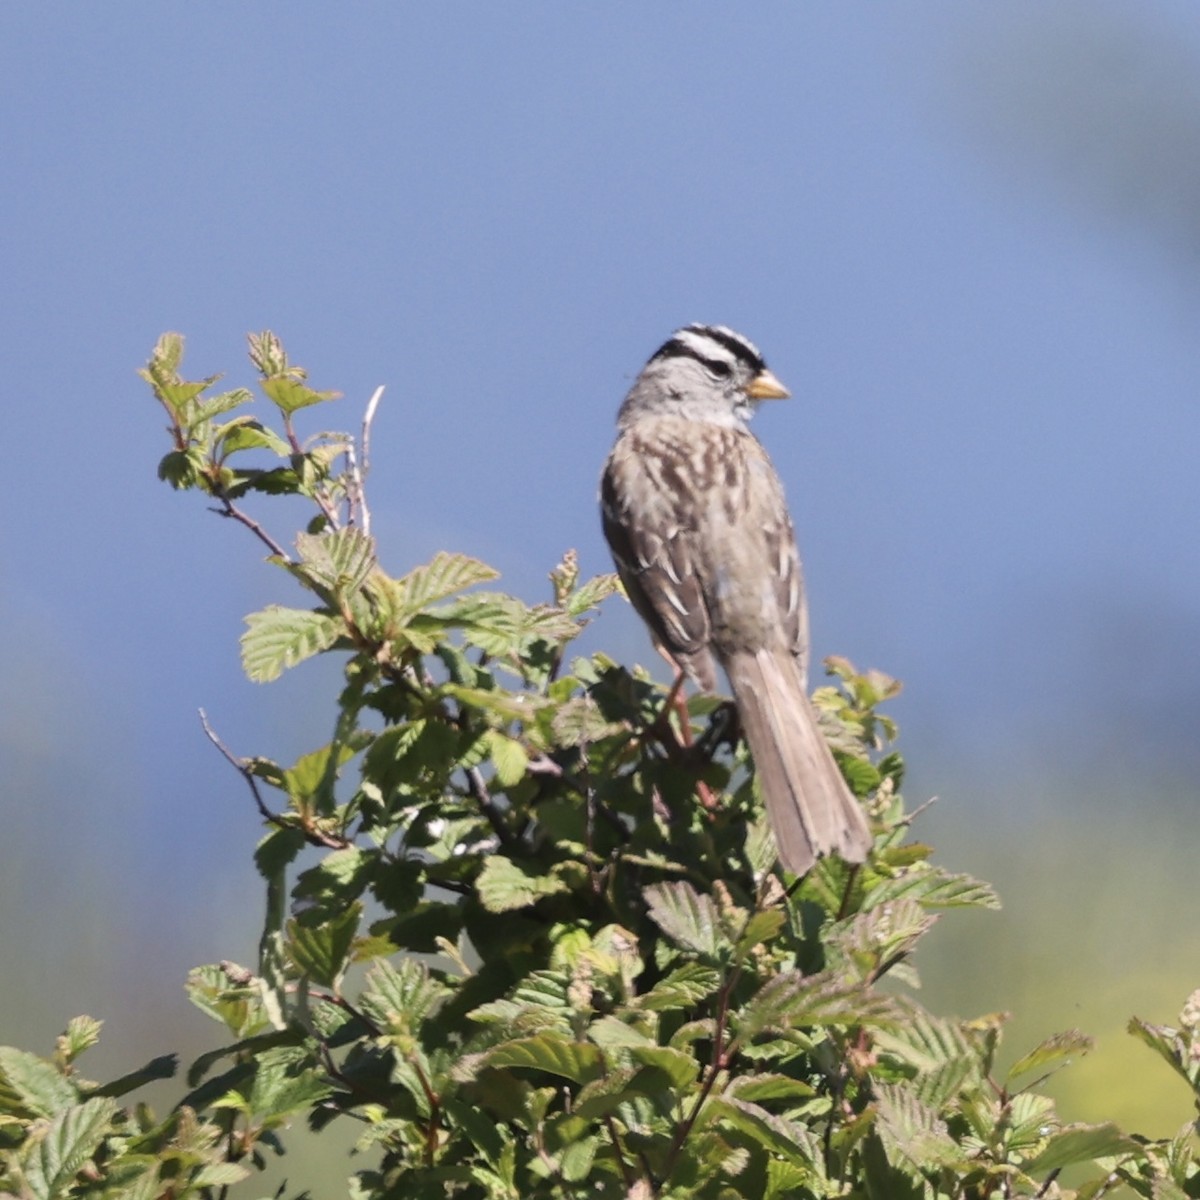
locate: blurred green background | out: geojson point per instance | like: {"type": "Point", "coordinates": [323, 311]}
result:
{"type": "Point", "coordinates": [965, 236]}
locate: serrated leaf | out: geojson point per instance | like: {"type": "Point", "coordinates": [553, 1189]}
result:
{"type": "Point", "coordinates": [398, 997]}
{"type": "Point", "coordinates": [72, 1137]}
{"type": "Point", "coordinates": [502, 625]}
{"type": "Point", "coordinates": [81, 1034]}
{"type": "Point", "coordinates": [791, 1000]}
{"type": "Point", "coordinates": [507, 706]}
{"type": "Point", "coordinates": [915, 1137]}
{"type": "Point", "coordinates": [277, 638]}
{"type": "Point", "coordinates": [220, 1175]}
{"type": "Point", "coordinates": [284, 1085]}
{"type": "Point", "coordinates": [445, 575]}
{"type": "Point", "coordinates": [688, 918]}
{"type": "Point", "coordinates": [1081, 1143]}
{"type": "Point", "coordinates": [338, 562]}
{"type": "Point", "coordinates": [31, 1085]}
{"type": "Point", "coordinates": [591, 593]}
{"type": "Point", "coordinates": [503, 886]}
{"type": "Point", "coordinates": [1052, 1051]}
{"type": "Point", "coordinates": [938, 1052]}
{"type": "Point", "coordinates": [322, 952]}
{"type": "Point", "coordinates": [290, 394]}
{"type": "Point", "coordinates": [761, 927]}
{"type": "Point", "coordinates": [508, 757]}
{"type": "Point", "coordinates": [579, 722]}
{"type": "Point", "coordinates": [776, 1134]}
{"type": "Point", "coordinates": [577, 1061]}
{"type": "Point", "coordinates": [685, 987]}
{"type": "Point", "coordinates": [769, 1086]}
{"type": "Point", "coordinates": [682, 1069]}
{"type": "Point", "coordinates": [310, 780]}
{"type": "Point", "coordinates": [936, 888]}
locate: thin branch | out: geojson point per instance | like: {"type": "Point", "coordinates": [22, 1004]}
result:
{"type": "Point", "coordinates": [623, 1166]}
{"type": "Point", "coordinates": [365, 440]}
{"type": "Point", "coordinates": [231, 510]}
{"type": "Point", "coordinates": [721, 1058]}
{"type": "Point", "coordinates": [315, 836]}
{"type": "Point", "coordinates": [356, 473]}
{"type": "Point", "coordinates": [479, 790]}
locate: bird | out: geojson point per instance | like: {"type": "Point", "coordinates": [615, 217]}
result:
{"type": "Point", "coordinates": [695, 517]}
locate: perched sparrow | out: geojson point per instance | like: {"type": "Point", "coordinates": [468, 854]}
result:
{"type": "Point", "coordinates": [696, 520]}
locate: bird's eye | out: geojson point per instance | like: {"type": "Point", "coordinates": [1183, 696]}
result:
{"type": "Point", "coordinates": [722, 370]}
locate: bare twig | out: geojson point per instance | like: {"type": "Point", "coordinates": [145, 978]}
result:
{"type": "Point", "coordinates": [479, 789]}
{"type": "Point", "coordinates": [231, 510]}
{"type": "Point", "coordinates": [356, 472]}
{"type": "Point", "coordinates": [365, 440]}
{"type": "Point", "coordinates": [242, 766]}
{"type": "Point", "coordinates": [916, 812]}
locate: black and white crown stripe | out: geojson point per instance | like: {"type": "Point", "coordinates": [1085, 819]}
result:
{"type": "Point", "coordinates": [713, 345]}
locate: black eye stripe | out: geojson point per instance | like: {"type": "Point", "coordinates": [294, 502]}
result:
{"type": "Point", "coordinates": [736, 346]}
{"type": "Point", "coordinates": [678, 349]}
{"type": "Point", "coordinates": [690, 341]}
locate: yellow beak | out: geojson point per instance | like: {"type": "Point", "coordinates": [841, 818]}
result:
{"type": "Point", "coordinates": [764, 386]}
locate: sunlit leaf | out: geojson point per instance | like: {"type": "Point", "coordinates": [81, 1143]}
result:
{"type": "Point", "coordinates": [277, 638]}
{"type": "Point", "coordinates": [503, 885]}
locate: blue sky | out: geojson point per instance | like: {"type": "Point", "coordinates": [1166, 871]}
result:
{"type": "Point", "coordinates": [964, 236]}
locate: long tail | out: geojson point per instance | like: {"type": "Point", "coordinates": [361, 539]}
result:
{"type": "Point", "coordinates": [811, 809]}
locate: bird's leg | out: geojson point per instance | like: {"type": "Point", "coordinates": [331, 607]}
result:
{"type": "Point", "coordinates": [677, 702]}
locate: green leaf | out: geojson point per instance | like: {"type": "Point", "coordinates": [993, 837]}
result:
{"type": "Point", "coordinates": [776, 1134]}
{"type": "Point", "coordinates": [509, 758]}
{"type": "Point", "coordinates": [247, 433]}
{"type": "Point", "coordinates": [682, 1069]}
{"type": "Point", "coordinates": [503, 886]}
{"type": "Point", "coordinates": [1053, 1051]}
{"type": "Point", "coordinates": [936, 888]}
{"type": "Point", "coordinates": [399, 997]}
{"type": "Point", "coordinates": [284, 1085]}
{"type": "Point", "coordinates": [686, 917]}
{"type": "Point", "coordinates": [590, 594]}
{"type": "Point", "coordinates": [915, 1137]}
{"type": "Point", "coordinates": [236, 1005]}
{"type": "Point", "coordinates": [936, 1049]}
{"type": "Point", "coordinates": [81, 1034]}
{"type": "Point", "coordinates": [72, 1137]}
{"type": "Point", "coordinates": [339, 562]}
{"type": "Point", "coordinates": [446, 575]}
{"type": "Point", "coordinates": [761, 927]}
{"type": "Point", "coordinates": [31, 1086]}
{"type": "Point", "coordinates": [278, 638]}
{"type": "Point", "coordinates": [290, 395]}
{"type": "Point", "coordinates": [322, 951]}
{"type": "Point", "coordinates": [577, 1061]}
{"type": "Point", "coordinates": [791, 1000]}
{"type": "Point", "coordinates": [686, 987]}
{"type": "Point", "coordinates": [1081, 1143]}
{"type": "Point", "coordinates": [579, 721]}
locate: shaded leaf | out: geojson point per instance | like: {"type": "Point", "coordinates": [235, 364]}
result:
{"type": "Point", "coordinates": [322, 951]}
{"type": "Point", "coordinates": [686, 917]}
{"type": "Point", "coordinates": [577, 1061]}
{"type": "Point", "coordinates": [1081, 1143]}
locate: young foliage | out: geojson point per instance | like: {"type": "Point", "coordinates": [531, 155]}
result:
{"type": "Point", "coordinates": [528, 932]}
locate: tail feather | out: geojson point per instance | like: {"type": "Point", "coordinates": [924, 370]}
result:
{"type": "Point", "coordinates": [810, 807]}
